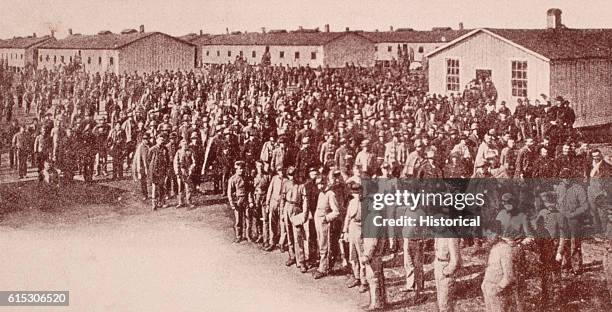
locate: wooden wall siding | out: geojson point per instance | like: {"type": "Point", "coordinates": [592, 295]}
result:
{"type": "Point", "coordinates": [348, 49]}
{"type": "Point", "coordinates": [247, 50]}
{"type": "Point", "coordinates": [587, 84]}
{"type": "Point", "coordinates": [90, 67]}
{"type": "Point", "coordinates": [483, 51]}
{"type": "Point", "coordinates": [156, 52]}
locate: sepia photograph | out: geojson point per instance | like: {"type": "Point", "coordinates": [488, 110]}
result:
{"type": "Point", "coordinates": [305, 155]}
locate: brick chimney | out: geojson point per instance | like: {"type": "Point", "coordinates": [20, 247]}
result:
{"type": "Point", "coordinates": [69, 31]}
{"type": "Point", "coordinates": [347, 29]}
{"type": "Point", "coordinates": [300, 28]}
{"type": "Point", "coordinates": [34, 35]}
{"type": "Point", "coordinates": [263, 30]}
{"type": "Point", "coordinates": [201, 32]}
{"type": "Point", "coordinates": [326, 27]}
{"type": "Point", "coordinates": [461, 26]}
{"type": "Point", "coordinates": [142, 30]}
{"type": "Point", "coordinates": [390, 28]}
{"type": "Point", "coordinates": [553, 18]}
{"type": "Point", "coordinates": [52, 33]}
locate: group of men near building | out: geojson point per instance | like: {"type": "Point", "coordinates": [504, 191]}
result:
{"type": "Point", "coordinates": [289, 148]}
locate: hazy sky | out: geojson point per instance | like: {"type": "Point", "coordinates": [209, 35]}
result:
{"type": "Point", "coordinates": [179, 17]}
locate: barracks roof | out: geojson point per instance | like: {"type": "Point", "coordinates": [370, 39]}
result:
{"type": "Point", "coordinates": [415, 36]}
{"type": "Point", "coordinates": [107, 41]}
{"type": "Point", "coordinates": [23, 42]}
{"type": "Point", "coordinates": [276, 39]}
{"type": "Point", "coordinates": [553, 44]}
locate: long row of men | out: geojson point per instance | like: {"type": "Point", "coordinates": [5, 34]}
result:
{"type": "Point", "coordinates": [289, 148]}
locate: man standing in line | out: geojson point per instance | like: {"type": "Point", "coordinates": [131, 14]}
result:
{"type": "Point", "coordinates": [273, 201]}
{"type": "Point", "coordinates": [239, 199]}
{"type": "Point", "coordinates": [184, 164]}
{"type": "Point", "coordinates": [19, 145]}
{"type": "Point", "coordinates": [572, 203]}
{"type": "Point", "coordinates": [326, 212]}
{"type": "Point", "coordinates": [446, 263]}
{"type": "Point", "coordinates": [259, 214]}
{"type": "Point", "coordinates": [159, 162]}
{"type": "Point", "coordinates": [139, 165]}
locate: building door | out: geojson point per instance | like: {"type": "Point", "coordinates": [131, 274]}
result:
{"type": "Point", "coordinates": [483, 74]}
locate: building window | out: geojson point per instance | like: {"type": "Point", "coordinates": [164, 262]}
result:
{"type": "Point", "coordinates": [282, 54]}
{"type": "Point", "coordinates": [89, 60]}
{"type": "Point", "coordinates": [79, 52]}
{"type": "Point", "coordinates": [313, 55]}
{"type": "Point", "coordinates": [229, 53]}
{"type": "Point", "coordinates": [47, 57]}
{"type": "Point", "coordinates": [111, 61]}
{"type": "Point", "coordinates": [99, 60]}
{"type": "Point", "coordinates": [41, 58]}
{"type": "Point", "coordinates": [62, 58]}
{"type": "Point", "coordinates": [22, 56]}
{"type": "Point", "coordinates": [253, 54]}
{"type": "Point", "coordinates": [519, 78]}
{"type": "Point", "coordinates": [452, 75]}
{"type": "Point", "coordinates": [297, 55]}
{"type": "Point", "coordinates": [54, 59]}
{"type": "Point", "coordinates": [421, 49]}
{"type": "Point", "coordinates": [218, 53]}
{"type": "Point", "coordinates": [375, 48]}
{"type": "Point", "coordinates": [207, 53]}
{"type": "Point", "coordinates": [390, 48]}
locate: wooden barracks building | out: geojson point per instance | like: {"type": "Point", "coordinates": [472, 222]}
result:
{"type": "Point", "coordinates": [19, 52]}
{"type": "Point", "coordinates": [129, 51]}
{"type": "Point", "coordinates": [526, 63]}
{"type": "Point", "coordinates": [296, 48]}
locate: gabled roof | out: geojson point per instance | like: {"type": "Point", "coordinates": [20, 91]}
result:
{"type": "Point", "coordinates": [23, 42]}
{"type": "Point", "coordinates": [110, 41]}
{"type": "Point", "coordinates": [415, 36]}
{"type": "Point", "coordinates": [551, 44]}
{"type": "Point", "coordinates": [277, 39]}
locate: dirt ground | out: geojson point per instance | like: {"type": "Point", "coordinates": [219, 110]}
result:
{"type": "Point", "coordinates": [113, 254]}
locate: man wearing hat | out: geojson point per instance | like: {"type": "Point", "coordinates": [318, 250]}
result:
{"type": "Point", "coordinates": [273, 204]}
{"type": "Point", "coordinates": [365, 159]}
{"type": "Point", "coordinates": [140, 166]}
{"type": "Point", "coordinates": [553, 227]}
{"type": "Point", "coordinates": [429, 169]}
{"type": "Point", "coordinates": [414, 160]}
{"type": "Point", "coordinates": [327, 211]}
{"type": "Point", "coordinates": [184, 164]}
{"type": "Point", "coordinates": [159, 163]}
{"type": "Point", "coordinates": [573, 204]}
{"type": "Point", "coordinates": [265, 155]}
{"type": "Point", "coordinates": [294, 214]}
{"type": "Point", "coordinates": [307, 158]}
{"type": "Point", "coordinates": [260, 214]}
{"type": "Point", "coordinates": [395, 154]}
{"type": "Point", "coordinates": [239, 198]}
{"type": "Point", "coordinates": [279, 156]}
{"type": "Point", "coordinates": [116, 143]}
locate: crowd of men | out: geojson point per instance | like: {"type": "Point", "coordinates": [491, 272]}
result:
{"type": "Point", "coordinates": [289, 148]}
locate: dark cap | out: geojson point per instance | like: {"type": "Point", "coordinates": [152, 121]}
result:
{"type": "Point", "coordinates": [239, 163]}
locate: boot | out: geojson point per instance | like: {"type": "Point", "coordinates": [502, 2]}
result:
{"type": "Point", "coordinates": [377, 295]}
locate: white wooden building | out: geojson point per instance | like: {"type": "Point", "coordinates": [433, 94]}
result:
{"type": "Point", "coordinates": [390, 45]}
{"type": "Point", "coordinates": [19, 52]}
{"type": "Point", "coordinates": [128, 51]}
{"type": "Point", "coordinates": [527, 63]}
{"type": "Point", "coordinates": [293, 49]}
